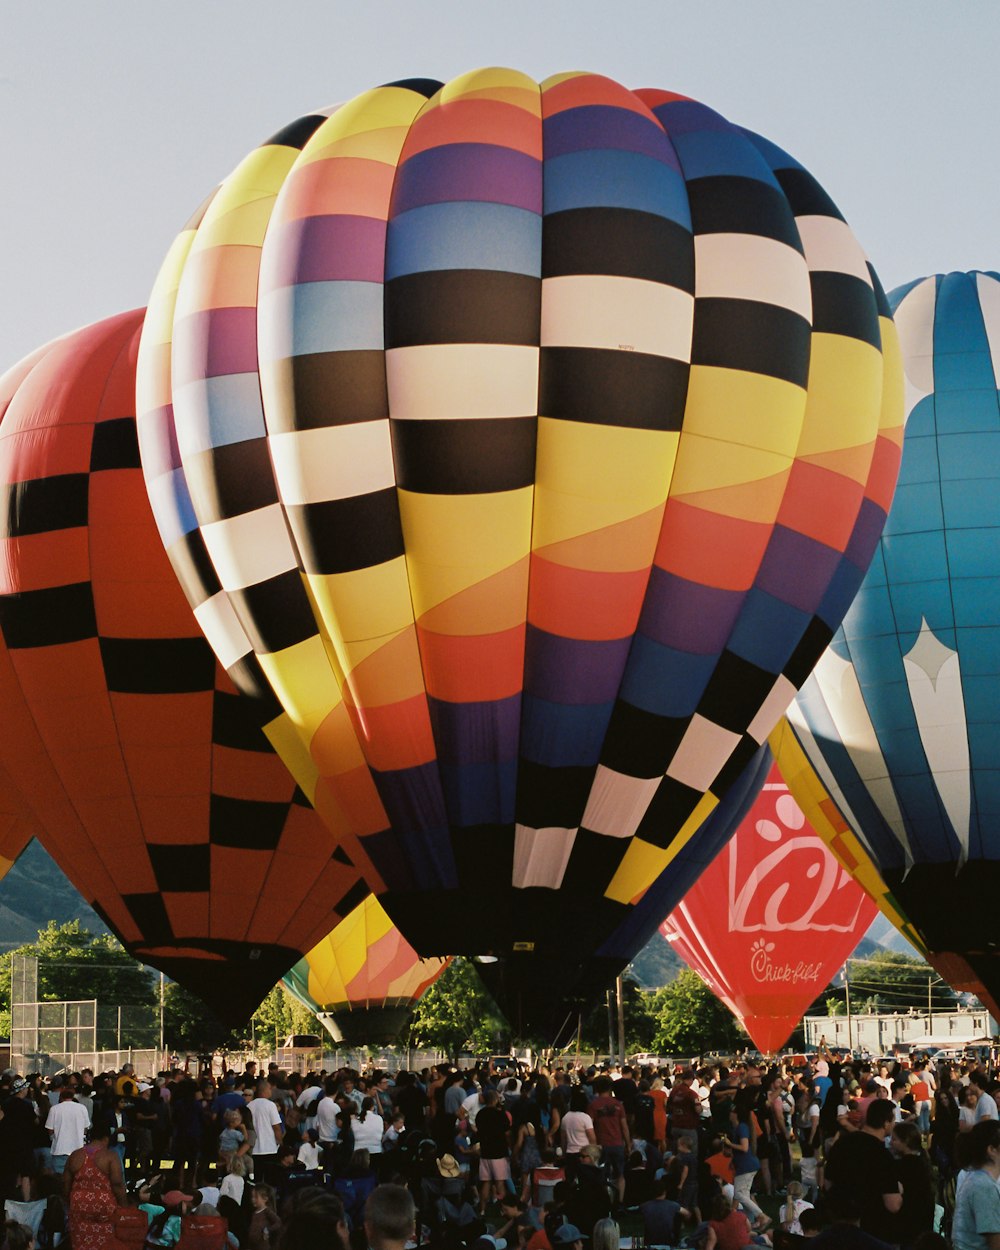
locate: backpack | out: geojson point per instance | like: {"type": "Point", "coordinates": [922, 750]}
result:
{"type": "Point", "coordinates": [202, 1232]}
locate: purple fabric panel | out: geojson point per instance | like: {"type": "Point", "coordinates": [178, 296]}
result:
{"type": "Point", "coordinates": [214, 343]}
{"type": "Point", "coordinates": [468, 171]}
{"type": "Point", "coordinates": [688, 616]}
{"type": "Point", "coordinates": [595, 126]}
{"type": "Point", "coordinates": [328, 248]}
{"type": "Point", "coordinates": [476, 733]}
{"type": "Point", "coordinates": [573, 671]}
{"type": "Point", "coordinates": [865, 535]}
{"type": "Point", "coordinates": [797, 569]}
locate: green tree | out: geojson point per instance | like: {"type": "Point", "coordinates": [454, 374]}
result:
{"type": "Point", "coordinates": [692, 1021]}
{"type": "Point", "coordinates": [835, 1006]}
{"type": "Point", "coordinates": [891, 981]}
{"type": "Point", "coordinates": [457, 1013]}
{"type": "Point", "coordinates": [641, 1021]}
{"type": "Point", "coordinates": [281, 1014]}
{"type": "Point", "coordinates": [188, 1025]}
{"type": "Point", "coordinates": [74, 963]}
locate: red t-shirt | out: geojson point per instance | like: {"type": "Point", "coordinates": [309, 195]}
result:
{"type": "Point", "coordinates": [608, 1115]}
{"type": "Point", "coordinates": [732, 1233]}
{"type": "Point", "coordinates": [683, 1107]}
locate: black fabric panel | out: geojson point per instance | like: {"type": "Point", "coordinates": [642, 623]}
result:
{"type": "Point", "coordinates": [115, 445]}
{"type": "Point", "coordinates": [671, 805]}
{"type": "Point", "coordinates": [953, 908]}
{"type": "Point", "coordinates": [728, 204]}
{"type": "Point", "coordinates": [297, 133]}
{"type": "Point", "coordinates": [843, 304]}
{"type": "Point", "coordinates": [43, 505]}
{"type": "Point", "coordinates": [484, 861]}
{"type": "Point", "coordinates": [48, 618]}
{"type": "Point", "coordinates": [463, 306]}
{"type": "Point", "coordinates": [629, 389]}
{"type": "Point", "coordinates": [640, 743]}
{"type": "Point", "coordinates": [618, 241]}
{"type": "Point", "coordinates": [194, 568]}
{"type": "Point", "coordinates": [754, 337]}
{"type": "Point", "coordinates": [157, 665]}
{"type": "Point", "coordinates": [231, 480]}
{"type": "Point", "coordinates": [355, 895]}
{"type": "Point", "coordinates": [340, 535]}
{"type": "Point", "coordinates": [150, 915]}
{"type": "Point", "coordinates": [593, 862]}
{"type": "Point", "coordinates": [555, 797]}
{"type": "Point", "coordinates": [735, 692]}
{"type": "Point", "coordinates": [734, 767]}
{"type": "Point", "coordinates": [248, 676]}
{"type": "Point", "coordinates": [246, 824]}
{"type": "Point", "coordinates": [339, 855]}
{"type": "Point", "coordinates": [236, 723]}
{"type": "Point", "coordinates": [805, 195]}
{"type": "Point", "coordinates": [470, 457]}
{"type": "Point", "coordinates": [881, 300]}
{"type": "Point", "coordinates": [426, 87]}
{"type": "Point", "coordinates": [181, 869]}
{"type": "Point", "coordinates": [275, 613]}
{"type": "Point", "coordinates": [812, 644]}
{"type": "Point", "coordinates": [333, 388]}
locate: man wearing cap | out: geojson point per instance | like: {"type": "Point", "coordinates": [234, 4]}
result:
{"type": "Point", "coordinates": [67, 1125]}
{"type": "Point", "coordinates": [125, 1082]}
{"type": "Point", "coordinates": [568, 1236]}
{"type": "Point", "coordinates": [17, 1127]}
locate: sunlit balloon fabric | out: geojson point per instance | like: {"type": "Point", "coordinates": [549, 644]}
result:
{"type": "Point", "coordinates": [538, 436]}
{"type": "Point", "coordinates": [364, 978]}
{"type": "Point", "coordinates": [152, 785]}
{"type": "Point", "coordinates": [769, 923]}
{"type": "Point", "coordinates": [902, 719]}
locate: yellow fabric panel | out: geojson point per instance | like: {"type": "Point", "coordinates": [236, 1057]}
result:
{"type": "Point", "coordinates": [706, 464]}
{"type": "Point", "coordinates": [257, 176]}
{"type": "Point", "coordinates": [745, 409]}
{"type": "Point", "coordinates": [244, 226]}
{"type": "Point", "coordinates": [455, 541]}
{"type": "Point", "coordinates": [301, 677]}
{"type": "Point", "coordinates": [158, 326]}
{"type": "Point", "coordinates": [845, 387]}
{"type": "Point", "coordinates": [378, 112]}
{"type": "Point", "coordinates": [891, 416]}
{"type": "Point", "coordinates": [758, 500]}
{"type": "Point", "coordinates": [285, 739]}
{"type": "Point", "coordinates": [605, 462]}
{"type": "Point", "coordinates": [364, 603]}
{"type": "Point", "coordinates": [495, 82]}
{"type": "Point", "coordinates": [383, 145]}
{"type": "Point", "coordinates": [556, 79]}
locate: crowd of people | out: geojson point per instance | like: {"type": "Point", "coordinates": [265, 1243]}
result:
{"type": "Point", "coordinates": [836, 1152]}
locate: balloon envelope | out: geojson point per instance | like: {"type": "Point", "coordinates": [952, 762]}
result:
{"type": "Point", "coordinates": [537, 437]}
{"type": "Point", "coordinates": [151, 783]}
{"type": "Point", "coordinates": [902, 718]}
{"type": "Point", "coordinates": [772, 919]}
{"type": "Point", "coordinates": [363, 979]}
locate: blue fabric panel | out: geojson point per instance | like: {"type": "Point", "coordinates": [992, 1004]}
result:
{"type": "Point", "coordinates": [561, 735]}
{"type": "Point", "coordinates": [465, 235]}
{"type": "Point", "coordinates": [615, 180]}
{"type": "Point", "coordinates": [767, 630]}
{"type": "Point", "coordinates": [665, 681]}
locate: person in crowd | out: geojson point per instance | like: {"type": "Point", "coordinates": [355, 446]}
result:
{"type": "Point", "coordinates": [916, 1179]}
{"type": "Point", "coordinates": [314, 1220]}
{"type": "Point", "coordinates": [493, 1129]}
{"type": "Point", "coordinates": [264, 1225]}
{"type": "Point", "coordinates": [611, 1131]}
{"type": "Point", "coordinates": [267, 1126]}
{"type": "Point", "coordinates": [976, 1223]}
{"type": "Point", "coordinates": [94, 1188]}
{"type": "Point", "coordinates": [746, 1165]}
{"type": "Point", "coordinates": [577, 1130]}
{"type": "Point", "coordinates": [67, 1125]}
{"type": "Point", "coordinates": [390, 1218]}
{"type": "Point", "coordinates": [728, 1227]}
{"type": "Point", "coordinates": [17, 1140]}
{"type": "Point", "coordinates": [661, 1217]}
{"type": "Point", "coordinates": [860, 1168]}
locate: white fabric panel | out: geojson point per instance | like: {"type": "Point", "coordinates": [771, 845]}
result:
{"type": "Point", "coordinates": [989, 303]}
{"type": "Point", "coordinates": [841, 692]}
{"type": "Point", "coordinates": [772, 709]}
{"type": "Point", "coordinates": [250, 548]}
{"type": "Point", "coordinates": [831, 247]}
{"type": "Point", "coordinates": [620, 314]}
{"type": "Point", "coordinates": [221, 626]}
{"type": "Point", "coordinates": [335, 462]}
{"type": "Point", "coordinates": [541, 856]}
{"type": "Point", "coordinates": [748, 266]}
{"type": "Point", "coordinates": [617, 802]}
{"type": "Point", "coordinates": [452, 381]}
{"type": "Point", "coordinates": [703, 751]}
{"type": "Point", "coordinates": [914, 320]}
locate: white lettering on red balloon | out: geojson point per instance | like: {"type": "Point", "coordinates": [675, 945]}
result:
{"type": "Point", "coordinates": [765, 970]}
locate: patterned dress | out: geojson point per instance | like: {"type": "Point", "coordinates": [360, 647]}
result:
{"type": "Point", "coordinates": [92, 1206]}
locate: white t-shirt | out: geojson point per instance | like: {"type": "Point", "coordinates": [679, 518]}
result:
{"type": "Point", "coordinates": [472, 1106]}
{"type": "Point", "coordinates": [326, 1119]}
{"type": "Point", "coordinates": [575, 1125]}
{"type": "Point", "coordinates": [232, 1187]}
{"type": "Point", "coordinates": [986, 1108]}
{"type": "Point", "coordinates": [309, 1154]}
{"type": "Point", "coordinates": [798, 1206]}
{"type": "Point", "coordinates": [69, 1122]}
{"type": "Point", "coordinates": [309, 1095]}
{"type": "Point", "coordinates": [265, 1116]}
{"type": "Point", "coordinates": [368, 1133]}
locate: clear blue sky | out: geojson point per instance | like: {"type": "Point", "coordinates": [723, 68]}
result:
{"type": "Point", "coordinates": [118, 116]}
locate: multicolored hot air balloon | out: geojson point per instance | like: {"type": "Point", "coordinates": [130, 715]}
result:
{"type": "Point", "coordinates": [902, 718]}
{"type": "Point", "coordinates": [529, 441]}
{"type": "Point", "coordinates": [147, 775]}
{"type": "Point", "coordinates": [773, 918]}
{"type": "Point", "coordinates": [363, 980]}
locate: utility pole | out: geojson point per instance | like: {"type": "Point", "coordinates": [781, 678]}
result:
{"type": "Point", "coordinates": [161, 1017]}
{"type": "Point", "coordinates": [930, 1010]}
{"type": "Point", "coordinates": [847, 1002]}
{"type": "Point", "coordinates": [621, 1019]}
{"type": "Point", "coordinates": [611, 1027]}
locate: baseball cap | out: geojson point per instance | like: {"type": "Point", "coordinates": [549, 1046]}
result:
{"type": "Point", "coordinates": [566, 1234]}
{"type": "Point", "coordinates": [18, 1084]}
{"type": "Point", "coordinates": [487, 1242]}
{"type": "Point", "coordinates": [174, 1198]}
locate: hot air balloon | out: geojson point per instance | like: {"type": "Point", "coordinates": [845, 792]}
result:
{"type": "Point", "coordinates": [773, 918]}
{"type": "Point", "coordinates": [532, 441]}
{"type": "Point", "coordinates": [147, 774]}
{"type": "Point", "coordinates": [902, 718]}
{"type": "Point", "coordinates": [363, 979]}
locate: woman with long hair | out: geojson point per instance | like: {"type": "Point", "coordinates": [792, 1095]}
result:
{"type": "Point", "coordinates": [93, 1186]}
{"type": "Point", "coordinates": [913, 1169]}
{"type": "Point", "coordinates": [977, 1209]}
